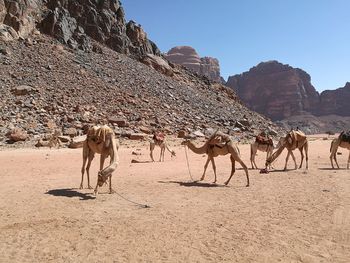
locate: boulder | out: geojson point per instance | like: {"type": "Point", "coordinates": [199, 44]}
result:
{"type": "Point", "coordinates": [77, 142]}
{"type": "Point", "coordinates": [70, 132]}
{"type": "Point", "coordinates": [181, 134]}
{"type": "Point", "coordinates": [22, 90]}
{"type": "Point", "coordinates": [17, 134]}
{"type": "Point", "coordinates": [137, 136]}
{"type": "Point", "coordinates": [158, 64]}
{"type": "Point", "coordinates": [119, 122]}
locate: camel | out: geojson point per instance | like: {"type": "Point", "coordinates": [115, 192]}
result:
{"type": "Point", "coordinates": [219, 144]}
{"type": "Point", "coordinates": [293, 140]}
{"type": "Point", "coordinates": [101, 140]}
{"type": "Point", "coordinates": [263, 147]}
{"type": "Point", "coordinates": [342, 142]}
{"type": "Point", "coordinates": [163, 145]}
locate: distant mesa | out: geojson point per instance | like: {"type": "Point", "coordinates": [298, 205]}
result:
{"type": "Point", "coordinates": [188, 57]}
{"type": "Point", "coordinates": [280, 91]}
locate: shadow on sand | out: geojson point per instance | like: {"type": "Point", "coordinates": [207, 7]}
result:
{"type": "Point", "coordinates": [192, 184]}
{"type": "Point", "coordinates": [70, 192]}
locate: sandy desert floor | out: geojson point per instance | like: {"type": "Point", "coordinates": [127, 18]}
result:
{"type": "Point", "coordinates": [294, 216]}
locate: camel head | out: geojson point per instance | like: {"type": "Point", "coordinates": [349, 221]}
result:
{"type": "Point", "coordinates": [268, 162]}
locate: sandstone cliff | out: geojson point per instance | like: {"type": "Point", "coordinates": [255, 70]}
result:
{"type": "Point", "coordinates": [335, 101]}
{"type": "Point", "coordinates": [276, 90]}
{"type": "Point", "coordinates": [188, 57]}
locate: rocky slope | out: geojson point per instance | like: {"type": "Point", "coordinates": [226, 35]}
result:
{"type": "Point", "coordinates": [188, 57]}
{"type": "Point", "coordinates": [66, 88]}
{"type": "Point", "coordinates": [276, 90]}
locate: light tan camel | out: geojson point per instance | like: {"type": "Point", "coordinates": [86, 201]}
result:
{"type": "Point", "coordinates": [101, 140]}
{"type": "Point", "coordinates": [339, 142]}
{"type": "Point", "coordinates": [263, 147]}
{"type": "Point", "coordinates": [219, 144]}
{"type": "Point", "coordinates": [292, 141]}
{"type": "Point", "coordinates": [163, 145]}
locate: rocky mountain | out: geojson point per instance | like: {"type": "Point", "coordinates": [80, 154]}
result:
{"type": "Point", "coordinates": [73, 62]}
{"type": "Point", "coordinates": [75, 23]}
{"type": "Point", "coordinates": [188, 57]}
{"type": "Point", "coordinates": [276, 90]}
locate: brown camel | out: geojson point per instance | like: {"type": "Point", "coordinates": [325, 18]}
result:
{"type": "Point", "coordinates": [260, 146]}
{"type": "Point", "coordinates": [219, 144]}
{"type": "Point", "coordinates": [163, 145]}
{"type": "Point", "coordinates": [292, 141]}
{"type": "Point", "coordinates": [342, 141]}
{"type": "Point", "coordinates": [101, 140]}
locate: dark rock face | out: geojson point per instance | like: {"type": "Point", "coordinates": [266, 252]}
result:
{"type": "Point", "coordinates": [73, 21]}
{"type": "Point", "coordinates": [188, 57]}
{"type": "Point", "coordinates": [335, 101]}
{"type": "Point", "coordinates": [276, 90]}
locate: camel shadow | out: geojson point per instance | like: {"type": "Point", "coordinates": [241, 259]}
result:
{"type": "Point", "coordinates": [70, 192]}
{"type": "Point", "coordinates": [192, 184]}
{"type": "Point", "coordinates": [137, 161]}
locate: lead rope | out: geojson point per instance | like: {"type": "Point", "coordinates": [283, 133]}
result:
{"type": "Point", "coordinates": [133, 202]}
{"type": "Point", "coordinates": [188, 164]}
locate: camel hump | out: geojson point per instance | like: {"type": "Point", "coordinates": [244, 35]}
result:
{"type": "Point", "coordinates": [219, 139]}
{"type": "Point", "coordinates": [99, 133]}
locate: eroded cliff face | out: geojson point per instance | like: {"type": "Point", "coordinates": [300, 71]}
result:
{"type": "Point", "coordinates": [187, 56]}
{"type": "Point", "coordinates": [75, 23]}
{"type": "Point", "coordinates": [276, 90]}
{"type": "Point", "coordinates": [335, 101]}
{"type": "Point", "coordinates": [18, 18]}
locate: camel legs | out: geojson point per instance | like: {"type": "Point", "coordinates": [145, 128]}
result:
{"type": "Point", "coordinates": [214, 168]}
{"type": "Point", "coordinates": [302, 157]}
{"type": "Point", "coordinates": [253, 151]}
{"type": "Point", "coordinates": [162, 152]}
{"type": "Point", "coordinates": [347, 166]}
{"type": "Point", "coordinates": [233, 169]}
{"type": "Point", "coordinates": [151, 147]}
{"type": "Point", "coordinates": [295, 162]}
{"type": "Point", "coordinates": [306, 148]}
{"type": "Point", "coordinates": [334, 150]}
{"type": "Point", "coordinates": [205, 168]}
{"type": "Point", "coordinates": [89, 156]}
{"type": "Point", "coordinates": [287, 158]}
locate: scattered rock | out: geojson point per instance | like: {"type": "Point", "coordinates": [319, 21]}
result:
{"type": "Point", "coordinates": [137, 136]}
{"type": "Point", "coordinates": [77, 142]}
{"type": "Point", "coordinates": [22, 90]}
{"type": "Point", "coordinates": [17, 135]}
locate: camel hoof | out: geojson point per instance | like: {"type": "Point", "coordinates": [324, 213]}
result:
{"type": "Point", "coordinates": [80, 187]}
{"type": "Point", "coordinates": [226, 183]}
{"type": "Point", "coordinates": [247, 185]}
{"type": "Point", "coordinates": [111, 191]}
{"type": "Point", "coordinates": [89, 187]}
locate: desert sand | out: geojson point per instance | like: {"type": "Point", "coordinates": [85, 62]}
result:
{"type": "Point", "coordinates": [294, 216]}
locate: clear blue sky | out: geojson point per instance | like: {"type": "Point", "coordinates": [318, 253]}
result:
{"type": "Point", "coordinates": [313, 35]}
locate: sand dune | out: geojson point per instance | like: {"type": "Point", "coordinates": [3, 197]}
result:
{"type": "Point", "coordinates": [294, 216]}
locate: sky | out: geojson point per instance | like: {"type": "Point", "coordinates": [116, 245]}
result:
{"type": "Point", "coordinates": [313, 35]}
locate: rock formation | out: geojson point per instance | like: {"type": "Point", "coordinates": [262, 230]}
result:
{"type": "Point", "coordinates": [276, 90]}
{"type": "Point", "coordinates": [75, 23]}
{"type": "Point", "coordinates": [335, 101]}
{"type": "Point", "coordinates": [188, 57]}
